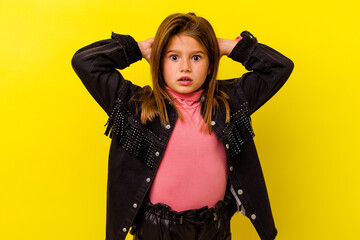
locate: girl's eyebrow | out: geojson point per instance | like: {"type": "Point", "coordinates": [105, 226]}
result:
{"type": "Point", "coordinates": [177, 51]}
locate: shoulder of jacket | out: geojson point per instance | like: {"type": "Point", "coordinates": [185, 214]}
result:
{"type": "Point", "coordinates": [233, 89]}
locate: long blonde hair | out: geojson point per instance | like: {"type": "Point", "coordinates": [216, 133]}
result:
{"type": "Point", "coordinates": [153, 100]}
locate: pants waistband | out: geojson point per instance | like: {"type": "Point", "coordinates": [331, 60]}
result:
{"type": "Point", "coordinates": [195, 216]}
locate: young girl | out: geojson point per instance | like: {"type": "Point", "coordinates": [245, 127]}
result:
{"type": "Point", "coordinates": [182, 159]}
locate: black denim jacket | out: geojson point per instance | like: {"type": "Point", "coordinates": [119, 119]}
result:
{"type": "Point", "coordinates": [136, 150]}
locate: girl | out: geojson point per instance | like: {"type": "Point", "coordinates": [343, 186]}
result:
{"type": "Point", "coordinates": [182, 159]}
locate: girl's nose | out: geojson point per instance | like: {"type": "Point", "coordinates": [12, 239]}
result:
{"type": "Point", "coordinates": [185, 66]}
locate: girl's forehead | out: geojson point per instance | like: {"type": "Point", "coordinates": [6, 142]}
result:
{"type": "Point", "coordinates": [183, 42]}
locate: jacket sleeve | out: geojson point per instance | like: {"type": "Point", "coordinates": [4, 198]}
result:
{"type": "Point", "coordinates": [97, 64]}
{"type": "Point", "coordinates": [269, 70]}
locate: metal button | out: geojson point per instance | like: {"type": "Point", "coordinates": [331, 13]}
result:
{"type": "Point", "coordinates": [135, 205]}
{"type": "Point", "coordinates": [253, 216]}
{"type": "Point", "coordinates": [124, 230]}
{"type": "Point", "coordinates": [168, 126]}
{"type": "Point", "coordinates": [227, 146]}
{"type": "Point", "coordinates": [157, 154]}
{"type": "Point", "coordinates": [212, 123]}
{"type": "Point", "coordinates": [148, 180]}
{"type": "Point", "coordinates": [240, 192]}
{"type": "Point", "coordinates": [231, 168]}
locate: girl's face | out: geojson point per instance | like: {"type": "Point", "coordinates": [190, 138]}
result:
{"type": "Point", "coordinates": [185, 64]}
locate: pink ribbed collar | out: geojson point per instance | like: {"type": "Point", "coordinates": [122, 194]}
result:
{"type": "Point", "coordinates": [187, 100]}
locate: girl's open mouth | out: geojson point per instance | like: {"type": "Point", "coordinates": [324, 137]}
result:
{"type": "Point", "coordinates": [185, 81]}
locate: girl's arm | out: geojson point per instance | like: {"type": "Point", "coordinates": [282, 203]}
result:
{"type": "Point", "coordinates": [269, 69]}
{"type": "Point", "coordinates": [96, 66]}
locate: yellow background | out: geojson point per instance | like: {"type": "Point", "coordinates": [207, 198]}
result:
{"type": "Point", "coordinates": [53, 157]}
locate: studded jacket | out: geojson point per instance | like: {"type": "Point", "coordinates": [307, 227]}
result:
{"type": "Point", "coordinates": [136, 150]}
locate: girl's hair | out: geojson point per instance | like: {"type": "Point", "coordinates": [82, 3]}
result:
{"type": "Point", "coordinates": [153, 101]}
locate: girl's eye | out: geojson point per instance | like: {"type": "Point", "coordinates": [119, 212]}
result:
{"type": "Point", "coordinates": [196, 57]}
{"type": "Point", "coordinates": [174, 57]}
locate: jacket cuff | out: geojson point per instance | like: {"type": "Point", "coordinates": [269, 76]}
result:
{"type": "Point", "coordinates": [243, 48]}
{"type": "Point", "coordinates": [130, 47]}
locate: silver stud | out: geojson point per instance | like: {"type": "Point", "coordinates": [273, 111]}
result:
{"type": "Point", "coordinates": [148, 180]}
{"type": "Point", "coordinates": [231, 168]}
{"type": "Point", "coordinates": [157, 154]}
{"type": "Point", "coordinates": [168, 126]}
{"type": "Point", "coordinates": [212, 123]}
{"type": "Point", "coordinates": [124, 230]}
{"type": "Point", "coordinates": [240, 192]}
{"type": "Point", "coordinates": [134, 205]}
{"type": "Point", "coordinates": [253, 216]}
{"type": "Point", "coordinates": [227, 146]}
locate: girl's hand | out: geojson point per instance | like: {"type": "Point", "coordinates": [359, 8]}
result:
{"type": "Point", "coordinates": [226, 46]}
{"type": "Point", "coordinates": [145, 48]}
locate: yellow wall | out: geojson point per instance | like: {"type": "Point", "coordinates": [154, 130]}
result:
{"type": "Point", "coordinates": [53, 157]}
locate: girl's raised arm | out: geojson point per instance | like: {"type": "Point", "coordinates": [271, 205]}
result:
{"type": "Point", "coordinates": [269, 69]}
{"type": "Point", "coordinates": [96, 66]}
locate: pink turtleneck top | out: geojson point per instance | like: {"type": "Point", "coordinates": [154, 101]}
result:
{"type": "Point", "coordinates": [192, 173]}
